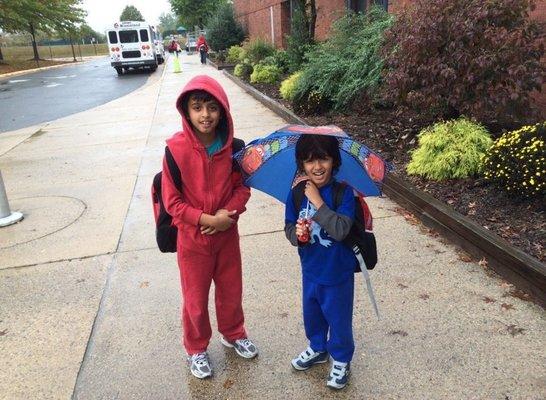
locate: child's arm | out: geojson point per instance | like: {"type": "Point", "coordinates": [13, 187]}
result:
{"type": "Point", "coordinates": [290, 222]}
{"type": "Point", "coordinates": [336, 223]}
{"type": "Point", "coordinates": [174, 204]}
{"type": "Point", "coordinates": [240, 195]}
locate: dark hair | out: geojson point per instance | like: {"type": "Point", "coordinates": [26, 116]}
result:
{"type": "Point", "coordinates": [313, 147]}
{"type": "Point", "coordinates": [203, 95]}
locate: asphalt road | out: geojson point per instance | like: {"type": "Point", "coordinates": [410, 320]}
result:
{"type": "Point", "coordinates": [42, 96]}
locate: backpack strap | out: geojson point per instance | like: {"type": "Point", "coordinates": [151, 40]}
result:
{"type": "Point", "coordinates": [173, 169]}
{"type": "Point", "coordinates": [236, 146]}
{"type": "Point", "coordinates": [297, 195]}
{"type": "Point", "coordinates": [339, 191]}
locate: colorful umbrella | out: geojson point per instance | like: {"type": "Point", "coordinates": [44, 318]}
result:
{"type": "Point", "coordinates": [269, 163]}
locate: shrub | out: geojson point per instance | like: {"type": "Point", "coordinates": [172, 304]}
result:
{"type": "Point", "coordinates": [257, 50]}
{"type": "Point", "coordinates": [243, 70]}
{"type": "Point", "coordinates": [233, 54]}
{"type": "Point", "coordinates": [299, 42]}
{"type": "Point", "coordinates": [517, 161]}
{"type": "Point", "coordinates": [223, 31]}
{"type": "Point", "coordinates": [348, 63]}
{"type": "Point", "coordinates": [282, 61]}
{"type": "Point", "coordinates": [269, 60]}
{"type": "Point", "coordinates": [265, 74]}
{"type": "Point", "coordinates": [288, 86]}
{"type": "Point", "coordinates": [449, 150]}
{"type": "Point", "coordinates": [477, 58]}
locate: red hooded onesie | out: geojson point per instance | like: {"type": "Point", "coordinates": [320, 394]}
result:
{"type": "Point", "coordinates": [208, 184]}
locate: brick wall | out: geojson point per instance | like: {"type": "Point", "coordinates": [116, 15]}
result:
{"type": "Point", "coordinates": [256, 17]}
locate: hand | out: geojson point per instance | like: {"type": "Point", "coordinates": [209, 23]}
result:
{"type": "Point", "coordinates": [312, 193]}
{"type": "Point", "coordinates": [301, 227]}
{"type": "Point", "coordinates": [208, 230]}
{"type": "Point", "coordinates": [223, 220]}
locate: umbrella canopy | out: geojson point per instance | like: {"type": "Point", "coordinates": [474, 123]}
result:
{"type": "Point", "coordinates": [269, 163]}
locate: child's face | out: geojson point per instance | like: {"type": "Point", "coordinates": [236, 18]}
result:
{"type": "Point", "coordinates": [204, 116]}
{"type": "Point", "coordinates": [319, 170]}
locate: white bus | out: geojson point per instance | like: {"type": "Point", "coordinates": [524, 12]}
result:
{"type": "Point", "coordinates": [131, 45]}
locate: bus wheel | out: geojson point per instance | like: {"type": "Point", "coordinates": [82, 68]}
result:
{"type": "Point", "coordinates": [153, 68]}
{"type": "Point", "coordinates": [119, 70]}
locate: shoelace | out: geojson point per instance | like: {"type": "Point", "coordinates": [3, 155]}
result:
{"type": "Point", "coordinates": [200, 359]}
{"type": "Point", "coordinates": [245, 342]}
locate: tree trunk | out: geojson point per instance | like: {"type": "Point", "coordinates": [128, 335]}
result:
{"type": "Point", "coordinates": [1, 55]}
{"type": "Point", "coordinates": [311, 18]}
{"type": "Point", "coordinates": [34, 46]}
{"type": "Point", "coordinates": [73, 52]}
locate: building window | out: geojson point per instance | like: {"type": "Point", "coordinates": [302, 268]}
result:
{"type": "Point", "coordinates": [383, 4]}
{"type": "Point", "coordinates": [356, 5]}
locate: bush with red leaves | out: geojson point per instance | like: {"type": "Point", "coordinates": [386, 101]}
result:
{"type": "Point", "coordinates": [474, 57]}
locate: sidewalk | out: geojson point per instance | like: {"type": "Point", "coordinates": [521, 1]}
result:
{"type": "Point", "coordinates": [89, 308]}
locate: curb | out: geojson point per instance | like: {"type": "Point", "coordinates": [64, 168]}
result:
{"type": "Point", "coordinates": [220, 67]}
{"type": "Point", "coordinates": [525, 272]}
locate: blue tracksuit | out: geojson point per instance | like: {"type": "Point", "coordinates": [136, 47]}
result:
{"type": "Point", "coordinates": [328, 273]}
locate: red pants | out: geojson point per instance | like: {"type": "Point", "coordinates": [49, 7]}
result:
{"type": "Point", "coordinates": [197, 271]}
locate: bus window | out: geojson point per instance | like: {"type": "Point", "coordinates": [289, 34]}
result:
{"type": "Point", "coordinates": [144, 35]}
{"type": "Point", "coordinates": [112, 37]}
{"type": "Point", "coordinates": [128, 36]}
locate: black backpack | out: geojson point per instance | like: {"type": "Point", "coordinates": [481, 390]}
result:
{"type": "Point", "coordinates": [360, 238]}
{"type": "Point", "coordinates": [165, 231]}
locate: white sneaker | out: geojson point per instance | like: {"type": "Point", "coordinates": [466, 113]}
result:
{"type": "Point", "coordinates": [244, 347]}
{"type": "Point", "coordinates": [308, 358]}
{"type": "Point", "coordinates": [200, 365]}
{"type": "Point", "coordinates": [339, 375]}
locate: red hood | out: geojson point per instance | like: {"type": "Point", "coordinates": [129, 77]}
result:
{"type": "Point", "coordinates": [205, 82]}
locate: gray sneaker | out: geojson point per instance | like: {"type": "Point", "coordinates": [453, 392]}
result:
{"type": "Point", "coordinates": [200, 365]}
{"type": "Point", "coordinates": [244, 347]}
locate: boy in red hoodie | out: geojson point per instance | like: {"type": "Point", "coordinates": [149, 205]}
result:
{"type": "Point", "coordinates": [205, 210]}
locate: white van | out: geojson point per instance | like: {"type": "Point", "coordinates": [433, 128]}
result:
{"type": "Point", "coordinates": [131, 45]}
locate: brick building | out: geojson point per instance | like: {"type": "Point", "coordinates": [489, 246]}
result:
{"type": "Point", "coordinates": [270, 19]}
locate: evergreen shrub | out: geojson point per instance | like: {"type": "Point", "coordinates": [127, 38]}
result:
{"type": "Point", "coordinates": [516, 162]}
{"type": "Point", "coordinates": [223, 30]}
{"type": "Point", "coordinates": [258, 49]}
{"type": "Point", "coordinates": [265, 74]}
{"type": "Point", "coordinates": [288, 86]}
{"type": "Point", "coordinates": [243, 69]}
{"type": "Point", "coordinates": [348, 64]}
{"type": "Point", "coordinates": [234, 52]}
{"type": "Point", "coordinates": [450, 150]}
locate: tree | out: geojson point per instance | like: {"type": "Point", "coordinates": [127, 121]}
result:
{"type": "Point", "coordinates": [131, 13]}
{"type": "Point", "coordinates": [223, 31]}
{"type": "Point", "coordinates": [195, 12]}
{"type": "Point", "coordinates": [167, 24]}
{"type": "Point", "coordinates": [302, 32]}
{"type": "Point", "coordinates": [44, 15]}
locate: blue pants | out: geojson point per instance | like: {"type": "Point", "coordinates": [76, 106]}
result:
{"type": "Point", "coordinates": [203, 55]}
{"type": "Point", "coordinates": [328, 318]}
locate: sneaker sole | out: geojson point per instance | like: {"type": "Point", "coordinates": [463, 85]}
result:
{"type": "Point", "coordinates": [300, 368]}
{"type": "Point", "coordinates": [229, 345]}
{"type": "Point", "coordinates": [198, 376]}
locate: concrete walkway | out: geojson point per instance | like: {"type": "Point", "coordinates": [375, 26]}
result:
{"type": "Point", "coordinates": [89, 308]}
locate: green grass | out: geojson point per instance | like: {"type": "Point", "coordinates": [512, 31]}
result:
{"type": "Point", "coordinates": [18, 53]}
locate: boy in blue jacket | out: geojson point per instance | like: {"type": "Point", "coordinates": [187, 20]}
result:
{"type": "Point", "coordinates": [328, 265]}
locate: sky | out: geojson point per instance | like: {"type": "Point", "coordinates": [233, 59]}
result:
{"type": "Point", "coordinates": [103, 13]}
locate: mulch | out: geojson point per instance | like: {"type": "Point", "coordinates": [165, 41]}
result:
{"type": "Point", "coordinates": [392, 133]}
